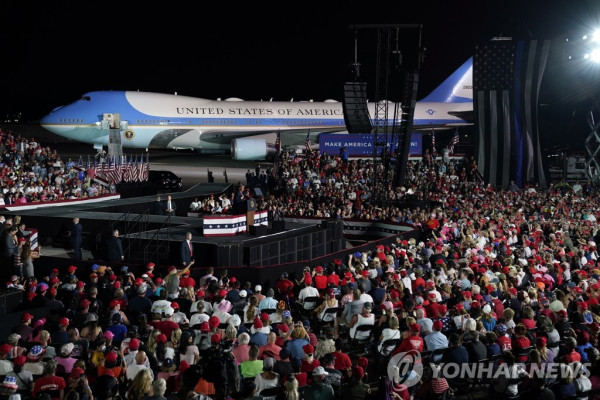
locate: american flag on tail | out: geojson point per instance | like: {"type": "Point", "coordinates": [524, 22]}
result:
{"type": "Point", "coordinates": [453, 141]}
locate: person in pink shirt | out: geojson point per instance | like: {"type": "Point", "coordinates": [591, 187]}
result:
{"type": "Point", "coordinates": [240, 351]}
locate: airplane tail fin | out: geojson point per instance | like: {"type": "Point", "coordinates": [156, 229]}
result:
{"type": "Point", "coordinates": [457, 88]}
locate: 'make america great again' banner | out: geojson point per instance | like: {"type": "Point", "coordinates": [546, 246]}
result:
{"type": "Point", "coordinates": [361, 144]}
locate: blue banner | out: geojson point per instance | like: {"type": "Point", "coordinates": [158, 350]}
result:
{"type": "Point", "coordinates": [361, 144]}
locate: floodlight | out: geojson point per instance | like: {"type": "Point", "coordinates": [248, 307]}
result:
{"type": "Point", "coordinates": [596, 36]}
{"type": "Point", "coordinates": [595, 55]}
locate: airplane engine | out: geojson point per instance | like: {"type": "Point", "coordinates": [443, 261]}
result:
{"type": "Point", "coordinates": [244, 149]}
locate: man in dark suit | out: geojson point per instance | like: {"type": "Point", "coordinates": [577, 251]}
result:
{"type": "Point", "coordinates": [76, 238]}
{"type": "Point", "coordinates": [170, 206]}
{"type": "Point", "coordinates": [157, 207]}
{"type": "Point", "coordinates": [239, 199]}
{"type": "Point", "coordinates": [187, 250]}
{"type": "Point", "coordinates": [115, 248]}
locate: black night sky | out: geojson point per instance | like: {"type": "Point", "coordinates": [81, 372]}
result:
{"type": "Point", "coordinates": [53, 52]}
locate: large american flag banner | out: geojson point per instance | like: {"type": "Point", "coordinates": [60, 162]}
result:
{"type": "Point", "coordinates": [507, 76]}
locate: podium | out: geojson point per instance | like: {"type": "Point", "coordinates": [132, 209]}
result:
{"type": "Point", "coordinates": [250, 206]}
{"type": "Point", "coordinates": [247, 207]}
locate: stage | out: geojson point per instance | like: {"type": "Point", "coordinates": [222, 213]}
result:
{"type": "Point", "coordinates": [157, 238]}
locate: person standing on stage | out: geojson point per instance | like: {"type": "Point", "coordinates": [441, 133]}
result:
{"type": "Point", "coordinates": [76, 239]}
{"type": "Point", "coordinates": [157, 207]}
{"type": "Point", "coordinates": [170, 206]}
{"type": "Point", "coordinates": [187, 250]}
{"type": "Point", "coordinates": [115, 248]}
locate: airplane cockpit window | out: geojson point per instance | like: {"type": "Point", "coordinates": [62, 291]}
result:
{"type": "Point", "coordinates": [86, 98]}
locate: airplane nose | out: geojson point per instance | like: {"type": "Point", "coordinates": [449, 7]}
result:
{"type": "Point", "coordinates": [50, 118]}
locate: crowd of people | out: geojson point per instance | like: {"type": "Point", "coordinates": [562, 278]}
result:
{"type": "Point", "coordinates": [505, 276]}
{"type": "Point", "coordinates": [31, 173]}
{"type": "Point", "coordinates": [325, 186]}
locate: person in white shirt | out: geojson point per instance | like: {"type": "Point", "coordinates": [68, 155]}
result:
{"type": "Point", "coordinates": [364, 318]}
{"type": "Point", "coordinates": [194, 205]}
{"type": "Point", "coordinates": [140, 360]}
{"type": "Point", "coordinates": [225, 202]}
{"type": "Point", "coordinates": [393, 332]}
{"type": "Point", "coordinates": [308, 291]}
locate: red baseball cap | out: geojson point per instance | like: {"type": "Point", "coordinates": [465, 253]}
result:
{"type": "Point", "coordinates": [5, 348]}
{"type": "Point", "coordinates": [84, 303]}
{"type": "Point", "coordinates": [438, 325]}
{"type": "Point", "coordinates": [110, 357]}
{"type": "Point", "coordinates": [358, 372]}
{"type": "Point", "coordinates": [175, 305]}
{"type": "Point", "coordinates": [26, 316]}
{"type": "Point", "coordinates": [223, 293]}
{"type": "Point", "coordinates": [72, 269]}
{"type": "Point", "coordinates": [319, 269]}
{"type": "Point", "coordinates": [214, 321]}
{"type": "Point", "coordinates": [63, 321]}
{"type": "Point", "coordinates": [215, 338]}
{"type": "Point", "coordinates": [257, 323]}
{"type": "Point", "coordinates": [204, 327]}
{"type": "Point", "coordinates": [308, 349]}
{"type": "Point", "coordinates": [162, 338]}
{"type": "Point", "coordinates": [19, 361]}
{"type": "Point", "coordinates": [134, 344]}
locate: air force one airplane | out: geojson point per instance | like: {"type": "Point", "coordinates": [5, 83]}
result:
{"type": "Point", "coordinates": [165, 121]}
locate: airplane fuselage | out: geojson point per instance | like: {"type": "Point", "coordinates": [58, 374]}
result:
{"type": "Point", "coordinates": [157, 120]}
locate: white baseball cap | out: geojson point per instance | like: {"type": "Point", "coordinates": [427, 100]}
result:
{"type": "Point", "coordinates": [258, 288]}
{"type": "Point", "coordinates": [320, 371]}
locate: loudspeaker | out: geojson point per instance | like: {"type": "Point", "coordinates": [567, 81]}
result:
{"type": "Point", "coordinates": [10, 299]}
{"type": "Point", "coordinates": [257, 230]}
{"type": "Point", "coordinates": [356, 113]}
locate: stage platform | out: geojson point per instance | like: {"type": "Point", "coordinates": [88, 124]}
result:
{"type": "Point", "coordinates": [157, 238]}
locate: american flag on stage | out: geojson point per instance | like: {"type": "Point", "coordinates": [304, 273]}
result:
{"type": "Point", "coordinates": [139, 168]}
{"type": "Point", "coordinates": [453, 141]}
{"type": "Point", "coordinates": [127, 170]}
{"type": "Point", "coordinates": [434, 151]}
{"type": "Point", "coordinates": [146, 167]}
{"type": "Point", "coordinates": [308, 143]}
{"type": "Point", "coordinates": [278, 142]}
